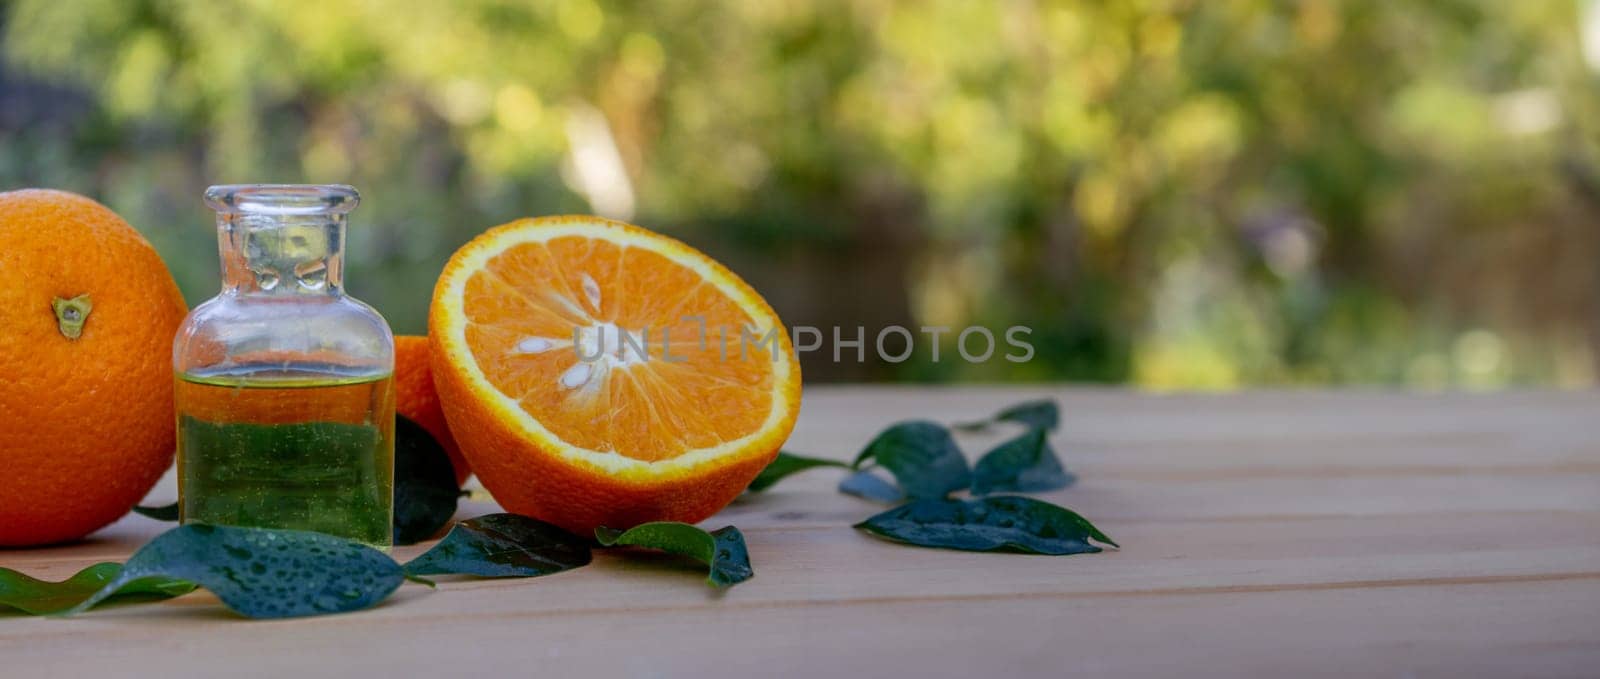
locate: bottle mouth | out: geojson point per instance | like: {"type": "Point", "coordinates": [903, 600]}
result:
{"type": "Point", "coordinates": [283, 199]}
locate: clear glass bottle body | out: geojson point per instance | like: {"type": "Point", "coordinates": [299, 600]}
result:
{"type": "Point", "coordinates": [285, 394]}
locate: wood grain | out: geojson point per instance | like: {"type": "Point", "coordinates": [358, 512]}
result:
{"type": "Point", "coordinates": [1265, 534]}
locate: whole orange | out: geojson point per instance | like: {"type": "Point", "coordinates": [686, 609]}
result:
{"type": "Point", "coordinates": [87, 315]}
{"type": "Point", "coordinates": [416, 399]}
{"type": "Point", "coordinates": [595, 374]}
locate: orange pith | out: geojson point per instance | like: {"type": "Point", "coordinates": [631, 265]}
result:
{"type": "Point", "coordinates": [568, 357]}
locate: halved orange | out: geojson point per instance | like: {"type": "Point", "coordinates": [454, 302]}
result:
{"type": "Point", "coordinates": [596, 373]}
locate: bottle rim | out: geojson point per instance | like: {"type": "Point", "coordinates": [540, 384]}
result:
{"type": "Point", "coordinates": [283, 199]}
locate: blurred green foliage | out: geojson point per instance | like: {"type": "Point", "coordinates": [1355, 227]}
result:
{"type": "Point", "coordinates": [1177, 193]}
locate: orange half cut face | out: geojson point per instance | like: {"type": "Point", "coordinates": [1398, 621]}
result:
{"type": "Point", "coordinates": [612, 350]}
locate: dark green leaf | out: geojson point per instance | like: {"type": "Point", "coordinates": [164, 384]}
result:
{"type": "Point", "coordinates": [999, 523]}
{"type": "Point", "coordinates": [1040, 414]}
{"type": "Point", "coordinates": [788, 463]}
{"type": "Point", "coordinates": [425, 490]}
{"type": "Point", "coordinates": [162, 513]}
{"type": "Point", "coordinates": [503, 545]}
{"type": "Point", "coordinates": [922, 456]}
{"type": "Point", "coordinates": [869, 486]}
{"type": "Point", "coordinates": [263, 573]}
{"type": "Point", "coordinates": [722, 549]}
{"type": "Point", "coordinates": [1025, 464]}
{"type": "Point", "coordinates": [40, 597]}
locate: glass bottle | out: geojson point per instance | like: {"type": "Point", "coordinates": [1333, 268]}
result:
{"type": "Point", "coordinates": [285, 391]}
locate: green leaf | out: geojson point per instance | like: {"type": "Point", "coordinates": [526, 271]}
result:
{"type": "Point", "coordinates": [1025, 464]}
{"type": "Point", "coordinates": [722, 549]}
{"type": "Point", "coordinates": [263, 573]}
{"type": "Point", "coordinates": [162, 513]}
{"type": "Point", "coordinates": [1040, 414]}
{"type": "Point", "coordinates": [503, 545]}
{"type": "Point", "coordinates": [1000, 523]}
{"type": "Point", "coordinates": [869, 486]}
{"type": "Point", "coordinates": [425, 490]}
{"type": "Point", "coordinates": [788, 463]}
{"type": "Point", "coordinates": [922, 456]}
{"type": "Point", "coordinates": [40, 597]}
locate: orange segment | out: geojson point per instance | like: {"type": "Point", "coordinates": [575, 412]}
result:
{"type": "Point", "coordinates": [598, 373]}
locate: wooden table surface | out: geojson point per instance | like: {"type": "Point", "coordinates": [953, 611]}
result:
{"type": "Point", "coordinates": [1264, 534]}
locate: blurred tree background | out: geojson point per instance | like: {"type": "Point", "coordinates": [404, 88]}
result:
{"type": "Point", "coordinates": [1173, 193]}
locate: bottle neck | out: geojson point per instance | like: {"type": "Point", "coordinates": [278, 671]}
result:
{"type": "Point", "coordinates": [282, 239]}
{"type": "Point", "coordinates": [282, 254]}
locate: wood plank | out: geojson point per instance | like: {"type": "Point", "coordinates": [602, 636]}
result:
{"type": "Point", "coordinates": [1541, 629]}
{"type": "Point", "coordinates": [1305, 533]}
